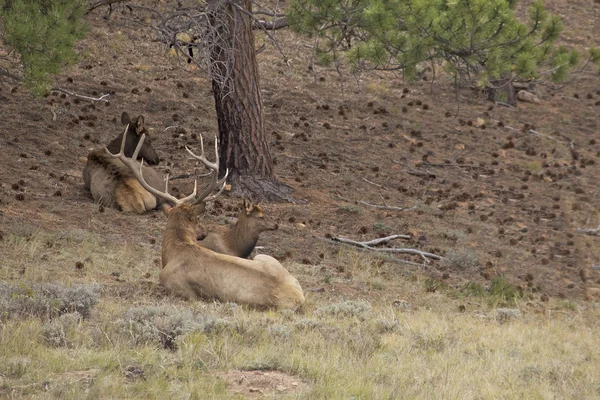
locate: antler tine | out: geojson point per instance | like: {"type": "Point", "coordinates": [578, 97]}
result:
{"type": "Point", "coordinates": [191, 196]}
{"type": "Point", "coordinates": [210, 165]}
{"type": "Point", "coordinates": [220, 183]}
{"type": "Point", "coordinates": [214, 183]}
{"type": "Point", "coordinates": [130, 162]}
{"type": "Point", "coordinates": [123, 141]}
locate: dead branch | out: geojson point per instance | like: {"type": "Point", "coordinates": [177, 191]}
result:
{"type": "Point", "coordinates": [373, 183]}
{"type": "Point", "coordinates": [14, 77]}
{"type": "Point", "coordinates": [386, 239]}
{"type": "Point", "coordinates": [101, 98]}
{"type": "Point", "coordinates": [103, 3]}
{"type": "Point", "coordinates": [592, 232]}
{"type": "Point", "coordinates": [384, 257]}
{"type": "Point", "coordinates": [270, 25]}
{"type": "Point", "coordinates": [424, 174]}
{"type": "Point", "coordinates": [423, 254]}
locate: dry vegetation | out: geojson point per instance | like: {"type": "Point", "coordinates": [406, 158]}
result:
{"type": "Point", "coordinates": [511, 311]}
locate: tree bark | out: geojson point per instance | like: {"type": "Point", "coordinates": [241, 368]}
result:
{"type": "Point", "coordinates": [244, 149]}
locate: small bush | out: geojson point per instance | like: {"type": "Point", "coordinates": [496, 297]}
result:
{"type": "Point", "coordinates": [360, 309]}
{"type": "Point", "coordinates": [351, 209]}
{"type": "Point", "coordinates": [57, 332]}
{"type": "Point", "coordinates": [502, 292]}
{"type": "Point", "coordinates": [157, 324]}
{"type": "Point", "coordinates": [217, 326]}
{"type": "Point", "coordinates": [387, 326]}
{"type": "Point", "coordinates": [278, 330]}
{"type": "Point", "coordinates": [460, 260]}
{"type": "Point", "coordinates": [306, 324]}
{"type": "Point", "coordinates": [46, 301]}
{"type": "Point", "coordinates": [473, 289]}
{"type": "Point", "coordinates": [429, 342]}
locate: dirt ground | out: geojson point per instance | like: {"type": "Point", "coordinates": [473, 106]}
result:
{"type": "Point", "coordinates": [505, 187]}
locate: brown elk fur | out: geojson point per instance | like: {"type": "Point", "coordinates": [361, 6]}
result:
{"type": "Point", "coordinates": [111, 182]}
{"type": "Point", "coordinates": [241, 239]}
{"type": "Point", "coordinates": [193, 271]}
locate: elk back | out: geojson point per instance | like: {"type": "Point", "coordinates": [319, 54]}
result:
{"type": "Point", "coordinates": [112, 184]}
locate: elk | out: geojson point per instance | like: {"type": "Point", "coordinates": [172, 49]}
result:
{"type": "Point", "coordinates": [111, 183]}
{"type": "Point", "coordinates": [241, 239]}
{"type": "Point", "coordinates": [193, 271]}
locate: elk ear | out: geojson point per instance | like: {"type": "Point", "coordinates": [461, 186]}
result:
{"type": "Point", "coordinates": [167, 209]}
{"type": "Point", "coordinates": [125, 119]}
{"type": "Point", "coordinates": [139, 125]}
{"type": "Point", "coordinates": [248, 205]}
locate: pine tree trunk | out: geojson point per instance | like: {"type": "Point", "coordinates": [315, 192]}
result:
{"type": "Point", "coordinates": [244, 149]}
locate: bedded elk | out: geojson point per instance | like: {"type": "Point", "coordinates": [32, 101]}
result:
{"type": "Point", "coordinates": [241, 239]}
{"type": "Point", "coordinates": [111, 182]}
{"type": "Point", "coordinates": [191, 270]}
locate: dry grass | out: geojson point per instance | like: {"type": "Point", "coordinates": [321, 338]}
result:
{"type": "Point", "coordinates": [370, 329]}
{"type": "Point", "coordinates": [447, 344]}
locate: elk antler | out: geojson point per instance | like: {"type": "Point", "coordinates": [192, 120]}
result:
{"type": "Point", "coordinates": [131, 163]}
{"type": "Point", "coordinates": [214, 167]}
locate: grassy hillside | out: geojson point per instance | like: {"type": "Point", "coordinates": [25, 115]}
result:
{"type": "Point", "coordinates": [511, 311]}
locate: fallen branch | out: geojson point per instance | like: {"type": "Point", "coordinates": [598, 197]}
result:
{"type": "Point", "coordinates": [363, 245]}
{"type": "Point", "coordinates": [592, 232]}
{"type": "Point", "coordinates": [101, 98]}
{"type": "Point", "coordinates": [386, 239]}
{"type": "Point", "coordinates": [380, 256]}
{"type": "Point", "coordinates": [372, 183]}
{"type": "Point", "coordinates": [103, 3]}
{"type": "Point", "coordinates": [14, 77]}
{"type": "Point", "coordinates": [424, 174]}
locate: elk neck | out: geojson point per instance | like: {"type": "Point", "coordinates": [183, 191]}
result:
{"type": "Point", "coordinates": [180, 230]}
{"type": "Point", "coordinates": [243, 236]}
{"type": "Point", "coordinates": [115, 145]}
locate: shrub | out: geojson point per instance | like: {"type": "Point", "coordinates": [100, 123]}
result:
{"type": "Point", "coordinates": [57, 332]}
{"type": "Point", "coordinates": [460, 260]}
{"type": "Point", "coordinates": [157, 324]}
{"type": "Point", "coordinates": [359, 308]}
{"type": "Point", "coordinates": [47, 300]}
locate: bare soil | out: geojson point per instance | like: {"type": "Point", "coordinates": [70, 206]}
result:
{"type": "Point", "coordinates": [508, 187]}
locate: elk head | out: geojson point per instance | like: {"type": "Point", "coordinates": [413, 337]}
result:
{"type": "Point", "coordinates": [134, 131]}
{"type": "Point", "coordinates": [193, 199]}
{"type": "Point", "coordinates": [254, 219]}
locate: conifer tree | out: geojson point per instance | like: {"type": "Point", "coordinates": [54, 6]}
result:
{"type": "Point", "coordinates": [41, 35]}
{"type": "Point", "coordinates": [477, 41]}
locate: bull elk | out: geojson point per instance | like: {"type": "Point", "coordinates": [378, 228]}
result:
{"type": "Point", "coordinates": [241, 239]}
{"type": "Point", "coordinates": [111, 182]}
{"type": "Point", "coordinates": [191, 270]}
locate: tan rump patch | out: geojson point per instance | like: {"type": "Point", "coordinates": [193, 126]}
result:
{"type": "Point", "coordinates": [132, 197]}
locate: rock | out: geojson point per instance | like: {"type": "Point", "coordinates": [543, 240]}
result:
{"type": "Point", "coordinates": [528, 97]}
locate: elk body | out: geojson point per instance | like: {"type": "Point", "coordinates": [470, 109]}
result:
{"type": "Point", "coordinates": [192, 271]}
{"type": "Point", "coordinates": [241, 239]}
{"type": "Point", "coordinates": [111, 182]}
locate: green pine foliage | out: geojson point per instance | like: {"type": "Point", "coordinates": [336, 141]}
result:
{"type": "Point", "coordinates": [43, 34]}
{"type": "Point", "coordinates": [476, 41]}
